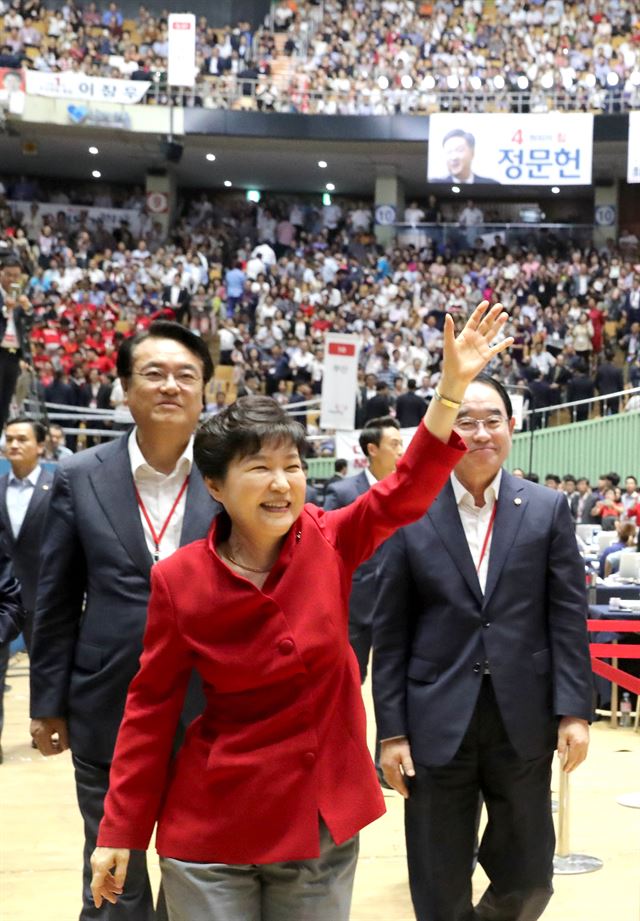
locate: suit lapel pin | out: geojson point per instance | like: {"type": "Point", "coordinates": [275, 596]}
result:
{"type": "Point", "coordinates": [517, 501]}
{"type": "Point", "coordinates": [298, 536]}
{"type": "Point", "coordinates": [45, 486]}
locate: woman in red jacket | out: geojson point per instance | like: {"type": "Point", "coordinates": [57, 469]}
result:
{"type": "Point", "coordinates": [258, 815]}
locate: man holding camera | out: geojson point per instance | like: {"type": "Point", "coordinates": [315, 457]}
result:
{"type": "Point", "coordinates": [14, 309]}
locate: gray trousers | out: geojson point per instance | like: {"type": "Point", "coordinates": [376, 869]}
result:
{"type": "Point", "coordinates": [298, 890]}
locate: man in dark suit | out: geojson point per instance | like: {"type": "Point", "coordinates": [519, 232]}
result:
{"type": "Point", "coordinates": [24, 500]}
{"type": "Point", "coordinates": [24, 497]}
{"type": "Point", "coordinates": [609, 379]}
{"type": "Point", "coordinates": [410, 408]}
{"type": "Point", "coordinates": [580, 387]}
{"type": "Point", "coordinates": [14, 310]}
{"type": "Point", "coordinates": [379, 405]}
{"type": "Point", "coordinates": [582, 501]}
{"type": "Point", "coordinates": [476, 681]}
{"type": "Point", "coordinates": [382, 445]}
{"type": "Point", "coordinates": [177, 296]}
{"type": "Point", "coordinates": [114, 510]}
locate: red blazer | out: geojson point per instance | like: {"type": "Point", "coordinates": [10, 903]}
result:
{"type": "Point", "coordinates": [283, 734]}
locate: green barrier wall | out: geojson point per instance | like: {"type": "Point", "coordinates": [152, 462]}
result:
{"type": "Point", "coordinates": [582, 448]}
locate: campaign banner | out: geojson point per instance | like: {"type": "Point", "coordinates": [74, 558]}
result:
{"type": "Point", "coordinates": [633, 148]}
{"type": "Point", "coordinates": [339, 381]}
{"type": "Point", "coordinates": [181, 64]}
{"type": "Point", "coordinates": [508, 149]}
{"type": "Point", "coordinates": [80, 214]}
{"type": "Point", "coordinates": [81, 86]}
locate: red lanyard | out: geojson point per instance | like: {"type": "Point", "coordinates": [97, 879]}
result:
{"type": "Point", "coordinates": [487, 535]}
{"type": "Point", "coordinates": [158, 537]}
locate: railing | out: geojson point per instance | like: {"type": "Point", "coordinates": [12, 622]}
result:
{"type": "Point", "coordinates": [455, 237]}
{"type": "Point", "coordinates": [231, 91]}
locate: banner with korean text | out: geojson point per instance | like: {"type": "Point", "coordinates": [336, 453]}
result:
{"type": "Point", "coordinates": [71, 85]}
{"type": "Point", "coordinates": [181, 65]}
{"type": "Point", "coordinates": [339, 381]}
{"type": "Point", "coordinates": [551, 149]}
{"type": "Point", "coordinates": [633, 148]}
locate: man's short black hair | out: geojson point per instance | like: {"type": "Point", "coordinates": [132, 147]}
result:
{"type": "Point", "coordinates": [240, 430]}
{"type": "Point", "coordinates": [9, 260]}
{"type": "Point", "coordinates": [569, 478]}
{"type": "Point", "coordinates": [552, 476]}
{"type": "Point", "coordinates": [459, 133]}
{"type": "Point", "coordinates": [485, 378]}
{"type": "Point", "coordinates": [371, 434]}
{"type": "Point", "coordinates": [39, 430]}
{"type": "Point", "coordinates": [411, 384]}
{"type": "Point", "coordinates": [340, 464]}
{"type": "Point", "coordinates": [381, 385]}
{"type": "Point", "coordinates": [164, 329]}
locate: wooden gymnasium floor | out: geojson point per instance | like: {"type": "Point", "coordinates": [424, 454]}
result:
{"type": "Point", "coordinates": [40, 833]}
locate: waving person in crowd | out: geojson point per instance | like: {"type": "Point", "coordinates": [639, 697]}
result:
{"type": "Point", "coordinates": [258, 815]}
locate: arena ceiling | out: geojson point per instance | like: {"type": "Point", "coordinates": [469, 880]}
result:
{"type": "Point", "coordinates": [267, 164]}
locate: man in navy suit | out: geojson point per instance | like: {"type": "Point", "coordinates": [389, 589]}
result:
{"type": "Point", "coordinates": [382, 445]}
{"type": "Point", "coordinates": [115, 509]}
{"type": "Point", "coordinates": [481, 669]}
{"type": "Point", "coordinates": [24, 496]}
{"type": "Point", "coordinates": [24, 500]}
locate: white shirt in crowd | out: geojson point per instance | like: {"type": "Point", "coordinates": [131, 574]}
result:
{"type": "Point", "coordinates": [475, 521]}
{"type": "Point", "coordinates": [159, 491]}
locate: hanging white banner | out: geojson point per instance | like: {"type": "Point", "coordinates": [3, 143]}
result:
{"type": "Point", "coordinates": [181, 69]}
{"type": "Point", "coordinates": [633, 148]}
{"type": "Point", "coordinates": [339, 381]}
{"type": "Point", "coordinates": [71, 85]}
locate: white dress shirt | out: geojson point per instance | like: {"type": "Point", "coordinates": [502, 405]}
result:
{"type": "Point", "coordinates": [475, 521]}
{"type": "Point", "coordinates": [19, 493]}
{"type": "Point", "coordinates": [159, 491]}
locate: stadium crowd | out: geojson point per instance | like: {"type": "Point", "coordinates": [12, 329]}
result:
{"type": "Point", "coordinates": [369, 58]}
{"type": "Point", "coordinates": [267, 281]}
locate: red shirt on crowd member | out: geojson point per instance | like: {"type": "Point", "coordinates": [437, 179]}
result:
{"type": "Point", "coordinates": [633, 513]}
{"type": "Point", "coordinates": [597, 317]}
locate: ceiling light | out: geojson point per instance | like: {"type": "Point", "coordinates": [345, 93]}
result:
{"type": "Point", "coordinates": [547, 80]}
{"type": "Point", "coordinates": [93, 151]}
{"type": "Point", "coordinates": [455, 189]}
{"type": "Point", "coordinates": [453, 82]}
{"type": "Point", "coordinates": [330, 187]}
{"type": "Point", "coordinates": [96, 174]}
{"type": "Point", "coordinates": [612, 78]}
{"type": "Point", "coordinates": [322, 164]}
{"type": "Point", "coordinates": [634, 78]}
{"type": "Point", "coordinates": [555, 189]}
{"type": "Point", "coordinates": [429, 82]}
{"type": "Point", "coordinates": [383, 83]}
{"type": "Point", "coordinates": [210, 157]}
{"type": "Point", "coordinates": [406, 82]}
{"type": "Point", "coordinates": [475, 83]}
{"type": "Point", "coordinates": [590, 80]}
{"type": "Point", "coordinates": [522, 82]}
{"type": "Point", "coordinates": [228, 183]}
{"type": "Point", "coordinates": [498, 82]}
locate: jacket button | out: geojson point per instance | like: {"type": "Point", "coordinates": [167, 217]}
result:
{"type": "Point", "coordinates": [309, 759]}
{"type": "Point", "coordinates": [286, 647]}
{"type": "Point", "coordinates": [477, 667]}
{"type": "Point", "coordinates": [486, 623]}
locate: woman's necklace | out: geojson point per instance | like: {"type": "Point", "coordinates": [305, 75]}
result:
{"type": "Point", "coordinates": [242, 566]}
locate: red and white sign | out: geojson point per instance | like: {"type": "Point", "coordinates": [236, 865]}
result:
{"type": "Point", "coordinates": [157, 202]}
{"type": "Point", "coordinates": [339, 382]}
{"type": "Point", "coordinates": [181, 70]}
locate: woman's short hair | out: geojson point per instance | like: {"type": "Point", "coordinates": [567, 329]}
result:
{"type": "Point", "coordinates": [240, 430]}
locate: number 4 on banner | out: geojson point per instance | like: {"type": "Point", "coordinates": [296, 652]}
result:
{"type": "Point", "coordinates": [517, 137]}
